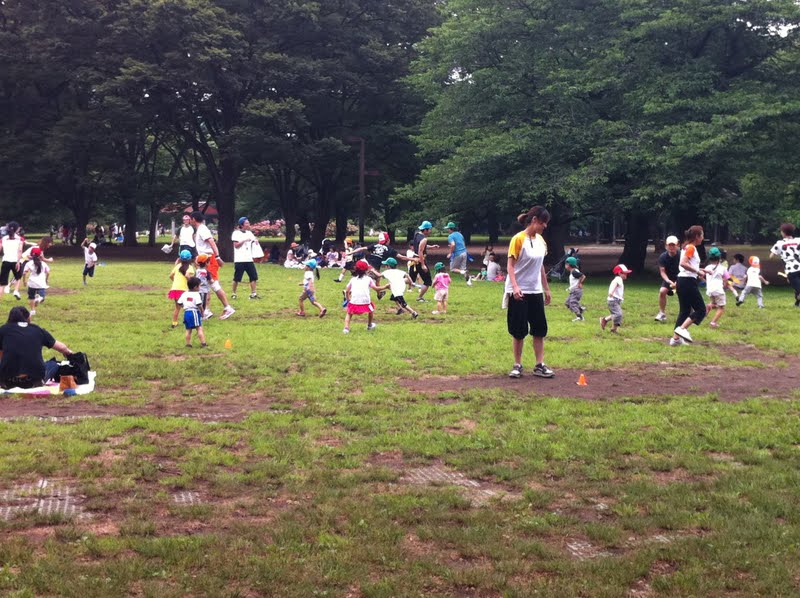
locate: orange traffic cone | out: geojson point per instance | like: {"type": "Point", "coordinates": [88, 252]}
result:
{"type": "Point", "coordinates": [582, 381]}
{"type": "Point", "coordinates": [228, 344]}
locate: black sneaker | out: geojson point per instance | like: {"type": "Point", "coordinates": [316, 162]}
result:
{"type": "Point", "coordinates": [399, 311]}
{"type": "Point", "coordinates": [543, 371]}
{"type": "Point", "coordinates": [381, 295]}
{"type": "Point", "coordinates": [421, 300]}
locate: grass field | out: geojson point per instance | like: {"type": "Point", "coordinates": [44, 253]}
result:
{"type": "Point", "coordinates": [402, 461]}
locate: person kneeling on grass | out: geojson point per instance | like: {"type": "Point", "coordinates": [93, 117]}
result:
{"type": "Point", "coordinates": [192, 303]}
{"type": "Point", "coordinates": [616, 295]}
{"type": "Point", "coordinates": [308, 289]}
{"type": "Point", "coordinates": [21, 342]}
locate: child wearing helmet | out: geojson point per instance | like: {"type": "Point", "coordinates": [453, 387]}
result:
{"type": "Point", "coordinates": [309, 291]}
{"type": "Point", "coordinates": [576, 278]}
{"type": "Point", "coordinates": [180, 276]}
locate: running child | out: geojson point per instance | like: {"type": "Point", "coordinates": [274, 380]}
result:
{"type": "Point", "coordinates": [191, 301]}
{"type": "Point", "coordinates": [90, 259]}
{"type": "Point", "coordinates": [738, 274]}
{"type": "Point", "coordinates": [180, 276]}
{"type": "Point", "coordinates": [12, 245]}
{"type": "Point", "coordinates": [717, 278]}
{"type": "Point", "coordinates": [441, 286]}
{"type": "Point", "coordinates": [37, 277]}
{"type": "Point", "coordinates": [205, 283]}
{"type": "Point", "coordinates": [616, 295]}
{"type": "Point", "coordinates": [754, 280]}
{"type": "Point", "coordinates": [398, 282]}
{"type": "Point", "coordinates": [576, 278]}
{"type": "Point", "coordinates": [309, 291]}
{"type": "Point", "coordinates": [358, 297]}
{"type": "Point", "coordinates": [788, 249]}
{"type": "Point", "coordinates": [349, 260]}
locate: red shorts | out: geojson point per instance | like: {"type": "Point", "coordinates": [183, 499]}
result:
{"type": "Point", "coordinates": [175, 295]}
{"type": "Point", "coordinates": [360, 309]}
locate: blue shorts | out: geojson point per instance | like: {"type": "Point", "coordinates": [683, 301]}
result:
{"type": "Point", "coordinates": [33, 292]}
{"type": "Point", "coordinates": [192, 319]}
{"type": "Point", "coordinates": [308, 295]}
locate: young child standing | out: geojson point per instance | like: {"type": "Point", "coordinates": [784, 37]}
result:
{"type": "Point", "coordinates": [754, 280]}
{"type": "Point", "coordinates": [180, 276]}
{"type": "Point", "coordinates": [205, 282]}
{"type": "Point", "coordinates": [616, 295]}
{"type": "Point", "coordinates": [358, 297]}
{"type": "Point", "coordinates": [308, 290]}
{"type": "Point", "coordinates": [89, 259]}
{"type": "Point", "coordinates": [398, 282]}
{"type": "Point", "coordinates": [717, 278]}
{"type": "Point", "coordinates": [37, 275]}
{"type": "Point", "coordinates": [192, 316]}
{"type": "Point", "coordinates": [441, 284]}
{"type": "Point", "coordinates": [576, 278]}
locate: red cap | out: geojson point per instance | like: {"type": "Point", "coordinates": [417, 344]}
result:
{"type": "Point", "coordinates": [621, 269]}
{"type": "Point", "coordinates": [362, 265]}
{"type": "Point", "coordinates": [383, 238]}
{"type": "Point", "coordinates": [36, 251]}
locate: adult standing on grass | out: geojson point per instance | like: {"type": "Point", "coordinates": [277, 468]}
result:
{"type": "Point", "coordinates": [12, 245]}
{"type": "Point", "coordinates": [788, 249]}
{"type": "Point", "coordinates": [692, 304]}
{"type": "Point", "coordinates": [185, 236]}
{"type": "Point", "coordinates": [668, 268]}
{"type": "Point", "coordinates": [420, 268]}
{"type": "Point", "coordinates": [243, 239]}
{"type": "Point", "coordinates": [458, 252]}
{"type": "Point", "coordinates": [21, 344]}
{"type": "Point", "coordinates": [527, 290]}
{"type": "Point", "coordinates": [204, 242]}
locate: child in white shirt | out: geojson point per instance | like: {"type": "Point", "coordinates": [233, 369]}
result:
{"type": "Point", "coordinates": [308, 290]}
{"type": "Point", "coordinates": [192, 304]}
{"type": "Point", "coordinates": [89, 259]}
{"type": "Point", "coordinates": [754, 280]}
{"type": "Point", "coordinates": [717, 278]}
{"type": "Point", "coordinates": [38, 277]}
{"type": "Point", "coordinates": [398, 282]}
{"type": "Point", "coordinates": [616, 295]}
{"type": "Point", "coordinates": [576, 278]}
{"type": "Point", "coordinates": [357, 296]}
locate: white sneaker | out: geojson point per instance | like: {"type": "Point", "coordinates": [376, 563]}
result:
{"type": "Point", "coordinates": [578, 319]}
{"type": "Point", "coordinates": [676, 342]}
{"type": "Point", "coordinates": [684, 334]}
{"type": "Point", "coordinates": [16, 294]}
{"type": "Point", "coordinates": [435, 312]}
{"type": "Point", "coordinates": [516, 371]}
{"type": "Point", "coordinates": [346, 331]}
{"type": "Point", "coordinates": [33, 312]}
{"type": "Point", "coordinates": [208, 314]}
{"type": "Point", "coordinates": [372, 326]}
{"type": "Point", "coordinates": [227, 313]}
{"type": "Point", "coordinates": [469, 282]}
{"type": "Point", "coordinates": [661, 317]}
{"type": "Point", "coordinates": [38, 299]}
{"type": "Point", "coordinates": [7, 289]}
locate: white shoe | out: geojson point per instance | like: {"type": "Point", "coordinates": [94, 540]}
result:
{"type": "Point", "coordinates": [33, 312]}
{"type": "Point", "coordinates": [676, 342]}
{"type": "Point", "coordinates": [346, 331]}
{"type": "Point", "coordinates": [208, 314]}
{"type": "Point", "coordinates": [7, 289]}
{"type": "Point", "coordinates": [469, 282]}
{"type": "Point", "coordinates": [227, 313]}
{"type": "Point", "coordinates": [16, 294]}
{"type": "Point", "coordinates": [661, 317]}
{"type": "Point", "coordinates": [372, 326]}
{"type": "Point", "coordinates": [435, 312]}
{"type": "Point", "coordinates": [38, 299]}
{"type": "Point", "coordinates": [684, 334]}
{"type": "Point", "coordinates": [578, 319]}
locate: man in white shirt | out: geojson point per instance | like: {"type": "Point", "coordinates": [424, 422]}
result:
{"type": "Point", "coordinates": [185, 236]}
{"type": "Point", "coordinates": [243, 239]}
{"type": "Point", "coordinates": [204, 242]}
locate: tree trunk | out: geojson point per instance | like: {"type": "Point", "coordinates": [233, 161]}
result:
{"type": "Point", "coordinates": [341, 223]}
{"type": "Point", "coordinates": [635, 250]}
{"type": "Point", "coordinates": [557, 232]}
{"type": "Point", "coordinates": [81, 212]}
{"type": "Point", "coordinates": [494, 233]}
{"type": "Point", "coordinates": [153, 228]}
{"type": "Point", "coordinates": [225, 193]}
{"type": "Point", "coordinates": [130, 220]}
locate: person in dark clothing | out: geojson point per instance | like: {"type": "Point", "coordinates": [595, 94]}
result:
{"type": "Point", "coordinates": [21, 342]}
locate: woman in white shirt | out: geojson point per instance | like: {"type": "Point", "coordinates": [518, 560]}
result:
{"type": "Point", "coordinates": [12, 245]}
{"type": "Point", "coordinates": [692, 304]}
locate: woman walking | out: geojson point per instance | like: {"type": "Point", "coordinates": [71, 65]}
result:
{"type": "Point", "coordinates": [12, 244]}
{"type": "Point", "coordinates": [691, 302]}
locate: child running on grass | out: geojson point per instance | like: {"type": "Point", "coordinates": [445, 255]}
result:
{"type": "Point", "coordinates": [616, 295]}
{"type": "Point", "coordinates": [192, 304]}
{"type": "Point", "coordinates": [754, 280]}
{"type": "Point", "coordinates": [441, 284]}
{"type": "Point", "coordinates": [308, 290]}
{"type": "Point", "coordinates": [358, 297]}
{"type": "Point", "coordinates": [37, 275]}
{"type": "Point", "coordinates": [576, 278]}
{"type": "Point", "coordinates": [205, 283]}
{"type": "Point", "coordinates": [717, 278]}
{"type": "Point", "coordinates": [180, 276]}
{"type": "Point", "coordinates": [398, 282]}
{"type": "Point", "coordinates": [89, 259]}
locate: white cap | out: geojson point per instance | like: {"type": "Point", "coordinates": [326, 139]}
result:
{"type": "Point", "coordinates": [672, 240]}
{"type": "Point", "coordinates": [93, 245]}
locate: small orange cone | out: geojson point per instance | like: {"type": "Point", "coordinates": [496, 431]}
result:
{"type": "Point", "coordinates": [228, 344]}
{"type": "Point", "coordinates": [582, 381]}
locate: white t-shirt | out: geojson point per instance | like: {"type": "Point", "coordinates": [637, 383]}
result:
{"type": "Point", "coordinates": [397, 281]}
{"type": "Point", "coordinates": [618, 286]}
{"type": "Point", "coordinates": [308, 279]}
{"type": "Point", "coordinates": [186, 236]}
{"type": "Point", "coordinates": [574, 279]}
{"type": "Point", "coordinates": [201, 238]}
{"type": "Point", "coordinates": [690, 254]}
{"type": "Point", "coordinates": [244, 253]}
{"type": "Point", "coordinates": [359, 290]}
{"type": "Point", "coordinates": [36, 281]}
{"type": "Point", "coordinates": [191, 300]}
{"type": "Point", "coordinates": [89, 258]}
{"type": "Point", "coordinates": [11, 249]}
{"type": "Point", "coordinates": [753, 279]}
{"type": "Point", "coordinates": [202, 274]}
{"type": "Point", "coordinates": [529, 253]}
{"type": "Point", "coordinates": [493, 270]}
{"type": "Point", "coordinates": [715, 279]}
{"type": "Point", "coordinates": [788, 250]}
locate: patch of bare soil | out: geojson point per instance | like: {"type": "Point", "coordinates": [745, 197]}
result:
{"type": "Point", "coordinates": [141, 287]}
{"type": "Point", "coordinates": [729, 384]}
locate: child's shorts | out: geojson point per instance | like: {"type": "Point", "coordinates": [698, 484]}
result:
{"type": "Point", "coordinates": [308, 295]}
{"type": "Point", "coordinates": [441, 295]}
{"type": "Point", "coordinates": [400, 300]}
{"type": "Point", "coordinates": [360, 309]}
{"type": "Point", "coordinates": [32, 293]}
{"type": "Point", "coordinates": [88, 271]}
{"type": "Point", "coordinates": [717, 299]}
{"type": "Point", "coordinates": [175, 295]}
{"type": "Point", "coordinates": [192, 319]}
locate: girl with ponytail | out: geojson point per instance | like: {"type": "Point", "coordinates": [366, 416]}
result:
{"type": "Point", "coordinates": [37, 276]}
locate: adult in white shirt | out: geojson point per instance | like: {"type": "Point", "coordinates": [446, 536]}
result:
{"type": "Point", "coordinates": [12, 245]}
{"type": "Point", "coordinates": [185, 236]}
{"type": "Point", "coordinates": [243, 240]}
{"type": "Point", "coordinates": [204, 242]}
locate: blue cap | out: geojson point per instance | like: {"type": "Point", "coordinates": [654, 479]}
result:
{"type": "Point", "coordinates": [426, 225]}
{"type": "Point", "coordinates": [185, 255]}
{"type": "Point", "coordinates": [311, 264]}
{"type": "Point", "coordinates": [242, 220]}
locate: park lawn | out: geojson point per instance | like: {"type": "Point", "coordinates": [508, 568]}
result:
{"type": "Point", "coordinates": [316, 493]}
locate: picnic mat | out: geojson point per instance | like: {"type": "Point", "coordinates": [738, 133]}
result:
{"type": "Point", "coordinates": [51, 388]}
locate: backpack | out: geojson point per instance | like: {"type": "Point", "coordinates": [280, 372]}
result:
{"type": "Point", "coordinates": [78, 367]}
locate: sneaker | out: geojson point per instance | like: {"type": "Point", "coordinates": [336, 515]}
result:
{"type": "Point", "coordinates": [714, 325]}
{"type": "Point", "coordinates": [435, 312]}
{"type": "Point", "coordinates": [227, 313]}
{"type": "Point", "coordinates": [738, 302]}
{"type": "Point", "coordinates": [676, 342]}
{"type": "Point", "coordinates": [399, 311]}
{"type": "Point", "coordinates": [516, 371]}
{"type": "Point", "coordinates": [469, 282]}
{"type": "Point", "coordinates": [421, 300]}
{"type": "Point", "coordinates": [323, 312]}
{"type": "Point", "coordinates": [543, 371]}
{"type": "Point", "coordinates": [174, 324]}
{"type": "Point", "coordinates": [203, 345]}
{"type": "Point", "coordinates": [234, 296]}
{"type": "Point", "coordinates": [346, 331]}
{"type": "Point", "coordinates": [7, 289]}
{"type": "Point", "coordinates": [208, 314]}
{"type": "Point", "coordinates": [188, 345]}
{"type": "Point", "coordinates": [16, 294]}
{"type": "Point", "coordinates": [583, 308]}
{"type": "Point", "coordinates": [381, 295]}
{"type": "Point", "coordinates": [300, 313]}
{"type": "Point", "coordinates": [33, 312]}
{"type": "Point", "coordinates": [603, 323]}
{"type": "Point", "coordinates": [661, 317]}
{"type": "Point", "coordinates": [337, 280]}
{"type": "Point", "coordinates": [255, 296]}
{"type": "Point", "coordinates": [684, 334]}
{"type": "Point", "coordinates": [38, 299]}
{"type": "Point", "coordinates": [372, 326]}
{"type": "Point", "coordinates": [578, 319]}
{"type": "Point", "coordinates": [414, 315]}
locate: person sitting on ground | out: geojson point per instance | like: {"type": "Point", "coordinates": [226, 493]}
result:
{"type": "Point", "coordinates": [21, 342]}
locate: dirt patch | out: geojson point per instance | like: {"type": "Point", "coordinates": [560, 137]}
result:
{"type": "Point", "coordinates": [140, 287]}
{"type": "Point", "coordinates": [729, 384]}
{"type": "Point", "coordinates": [465, 426]}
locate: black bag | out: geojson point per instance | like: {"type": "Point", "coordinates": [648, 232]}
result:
{"type": "Point", "coordinates": [78, 367]}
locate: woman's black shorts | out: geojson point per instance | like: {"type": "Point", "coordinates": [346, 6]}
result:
{"type": "Point", "coordinates": [9, 268]}
{"type": "Point", "coordinates": [526, 316]}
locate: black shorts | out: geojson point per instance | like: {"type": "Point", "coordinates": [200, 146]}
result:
{"type": "Point", "coordinates": [9, 268]}
{"type": "Point", "coordinates": [794, 280]}
{"type": "Point", "coordinates": [239, 268]}
{"type": "Point", "coordinates": [87, 271]}
{"type": "Point", "coordinates": [668, 286]}
{"type": "Point", "coordinates": [190, 248]}
{"type": "Point", "coordinates": [400, 301]}
{"type": "Point", "coordinates": [425, 275]}
{"type": "Point", "coordinates": [526, 316]}
{"type": "Point", "coordinates": [349, 266]}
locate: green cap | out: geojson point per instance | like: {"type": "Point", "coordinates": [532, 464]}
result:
{"type": "Point", "coordinates": [572, 261]}
{"type": "Point", "coordinates": [391, 262]}
{"type": "Point", "coordinates": [452, 225]}
{"type": "Point", "coordinates": [714, 252]}
{"type": "Point", "coordinates": [438, 266]}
